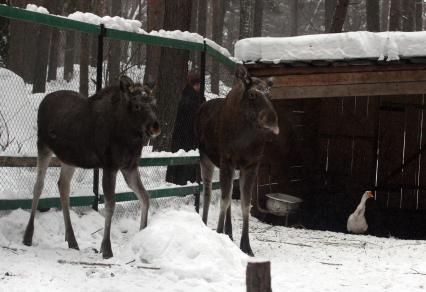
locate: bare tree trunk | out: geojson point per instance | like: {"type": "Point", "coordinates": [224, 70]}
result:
{"type": "Point", "coordinates": [218, 20]}
{"type": "Point", "coordinates": [84, 55]}
{"type": "Point", "coordinates": [17, 43]}
{"type": "Point", "coordinates": [113, 68]}
{"type": "Point", "coordinates": [395, 15]}
{"type": "Point", "coordinates": [193, 55]}
{"type": "Point", "coordinates": [173, 71]}
{"type": "Point", "coordinates": [70, 6]}
{"type": "Point", "coordinates": [155, 17]}
{"type": "Point", "coordinates": [419, 15]}
{"type": "Point", "coordinates": [201, 25]}
{"type": "Point", "coordinates": [42, 54]}
{"type": "Point", "coordinates": [258, 18]}
{"type": "Point", "coordinates": [294, 19]}
{"type": "Point", "coordinates": [373, 15]}
{"type": "Point", "coordinates": [100, 8]}
{"type": "Point", "coordinates": [408, 13]}
{"type": "Point", "coordinates": [384, 15]}
{"type": "Point", "coordinates": [246, 18]}
{"type": "Point", "coordinates": [329, 7]}
{"type": "Point", "coordinates": [339, 16]}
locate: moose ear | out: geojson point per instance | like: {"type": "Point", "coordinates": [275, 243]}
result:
{"type": "Point", "coordinates": [270, 81]}
{"type": "Point", "coordinates": [125, 83]}
{"type": "Point", "coordinates": [150, 84]}
{"type": "Point", "coordinates": [242, 74]}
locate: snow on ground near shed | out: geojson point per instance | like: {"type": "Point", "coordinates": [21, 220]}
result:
{"type": "Point", "coordinates": [351, 45]}
{"type": "Point", "coordinates": [192, 257]}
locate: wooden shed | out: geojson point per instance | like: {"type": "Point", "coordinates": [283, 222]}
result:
{"type": "Point", "coordinates": [346, 127]}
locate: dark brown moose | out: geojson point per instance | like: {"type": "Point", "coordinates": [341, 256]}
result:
{"type": "Point", "coordinates": [232, 132]}
{"type": "Point", "coordinates": [105, 131]}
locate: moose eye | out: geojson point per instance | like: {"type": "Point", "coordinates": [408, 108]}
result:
{"type": "Point", "coordinates": [252, 95]}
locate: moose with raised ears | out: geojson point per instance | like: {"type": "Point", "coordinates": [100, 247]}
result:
{"type": "Point", "coordinates": [232, 132]}
{"type": "Point", "coordinates": [107, 131]}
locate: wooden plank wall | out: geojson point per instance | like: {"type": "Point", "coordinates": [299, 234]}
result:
{"type": "Point", "coordinates": [329, 146]}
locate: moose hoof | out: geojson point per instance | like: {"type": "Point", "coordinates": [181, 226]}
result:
{"type": "Point", "coordinates": [106, 249]}
{"type": "Point", "coordinates": [230, 236]}
{"type": "Point", "coordinates": [72, 242]}
{"type": "Point", "coordinates": [246, 249]}
{"type": "Point", "coordinates": [28, 237]}
{"type": "Point", "coordinates": [73, 245]}
{"type": "Point", "coordinates": [27, 242]}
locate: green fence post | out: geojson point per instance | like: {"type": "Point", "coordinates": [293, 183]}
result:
{"type": "Point", "coordinates": [99, 65]}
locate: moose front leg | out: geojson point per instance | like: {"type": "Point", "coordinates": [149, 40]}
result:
{"type": "Point", "coordinates": [247, 179]}
{"type": "Point", "coordinates": [207, 169]}
{"type": "Point", "coordinates": [226, 176]}
{"type": "Point", "coordinates": [108, 184]}
{"type": "Point", "coordinates": [134, 182]}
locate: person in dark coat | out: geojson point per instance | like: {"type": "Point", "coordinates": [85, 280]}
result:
{"type": "Point", "coordinates": [183, 136]}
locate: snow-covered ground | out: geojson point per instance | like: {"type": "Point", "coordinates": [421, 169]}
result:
{"type": "Point", "coordinates": [176, 252]}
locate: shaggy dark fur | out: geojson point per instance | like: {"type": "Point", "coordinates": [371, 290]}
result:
{"type": "Point", "coordinates": [232, 134]}
{"type": "Point", "coordinates": [105, 131]}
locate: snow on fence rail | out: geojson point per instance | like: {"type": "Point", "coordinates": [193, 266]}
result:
{"type": "Point", "coordinates": [177, 39]}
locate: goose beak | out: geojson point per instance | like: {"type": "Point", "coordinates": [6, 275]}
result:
{"type": "Point", "coordinates": [370, 194]}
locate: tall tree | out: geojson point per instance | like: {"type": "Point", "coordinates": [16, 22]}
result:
{"type": "Point", "coordinates": [114, 49]}
{"type": "Point", "coordinates": [408, 14]}
{"type": "Point", "coordinates": [258, 17]}
{"type": "Point", "coordinates": [294, 19]}
{"type": "Point", "coordinates": [100, 8]}
{"type": "Point", "coordinates": [84, 54]}
{"type": "Point", "coordinates": [155, 20]}
{"type": "Point", "coordinates": [419, 15]}
{"type": "Point", "coordinates": [52, 69]}
{"type": "Point", "coordinates": [395, 15]}
{"type": "Point", "coordinates": [384, 15]}
{"type": "Point", "coordinates": [201, 26]}
{"type": "Point", "coordinates": [339, 16]}
{"type": "Point", "coordinates": [69, 6]}
{"type": "Point", "coordinates": [246, 18]}
{"type": "Point", "coordinates": [217, 34]}
{"type": "Point", "coordinates": [329, 7]}
{"type": "Point", "coordinates": [42, 54]}
{"type": "Point", "coordinates": [173, 71]}
{"type": "Point", "coordinates": [17, 43]}
{"type": "Point", "coordinates": [373, 15]}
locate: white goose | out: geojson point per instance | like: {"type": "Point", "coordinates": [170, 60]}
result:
{"type": "Point", "coordinates": [356, 221]}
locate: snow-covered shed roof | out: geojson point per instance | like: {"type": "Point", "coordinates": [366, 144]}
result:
{"type": "Point", "coordinates": [383, 46]}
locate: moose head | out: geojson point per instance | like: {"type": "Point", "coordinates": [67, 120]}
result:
{"type": "Point", "coordinates": [255, 102]}
{"type": "Point", "coordinates": [140, 105]}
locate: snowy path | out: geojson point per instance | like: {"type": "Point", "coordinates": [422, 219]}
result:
{"type": "Point", "coordinates": [192, 257]}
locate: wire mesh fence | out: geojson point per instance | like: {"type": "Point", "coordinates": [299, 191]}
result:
{"type": "Point", "coordinates": [58, 59]}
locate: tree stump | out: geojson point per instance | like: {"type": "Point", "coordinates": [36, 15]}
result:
{"type": "Point", "coordinates": [258, 277]}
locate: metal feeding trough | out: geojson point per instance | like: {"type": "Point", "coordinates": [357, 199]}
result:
{"type": "Point", "coordinates": [277, 204]}
{"type": "Point", "coordinates": [282, 204]}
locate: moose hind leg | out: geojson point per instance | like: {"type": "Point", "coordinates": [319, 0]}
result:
{"type": "Point", "coordinates": [207, 168]}
{"type": "Point", "coordinates": [228, 222]}
{"type": "Point", "coordinates": [134, 182]}
{"type": "Point", "coordinates": [108, 185]}
{"type": "Point", "coordinates": [43, 160]}
{"type": "Point", "coordinates": [226, 176]}
{"type": "Point", "coordinates": [67, 172]}
{"type": "Point", "coordinates": [247, 179]}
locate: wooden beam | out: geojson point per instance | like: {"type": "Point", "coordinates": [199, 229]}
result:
{"type": "Point", "coordinates": [342, 90]}
{"type": "Point", "coordinates": [263, 70]}
{"type": "Point", "coordinates": [350, 78]}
